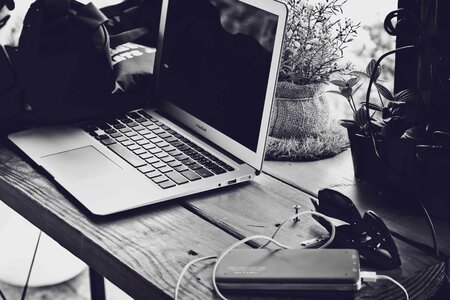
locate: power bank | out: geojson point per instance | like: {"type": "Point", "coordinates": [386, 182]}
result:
{"type": "Point", "coordinates": [290, 269]}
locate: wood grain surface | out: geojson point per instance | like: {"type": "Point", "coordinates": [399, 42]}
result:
{"type": "Point", "coordinates": [144, 250]}
{"type": "Point", "coordinates": [401, 213]}
{"type": "Point", "coordinates": [141, 251]}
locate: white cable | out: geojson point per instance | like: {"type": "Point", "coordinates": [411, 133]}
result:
{"type": "Point", "coordinates": [177, 287]}
{"type": "Point", "coordinates": [309, 212]}
{"type": "Point", "coordinates": [243, 241]}
{"type": "Point", "coordinates": [373, 277]}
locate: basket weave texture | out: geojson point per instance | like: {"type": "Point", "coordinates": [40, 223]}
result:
{"type": "Point", "coordinates": [299, 111]}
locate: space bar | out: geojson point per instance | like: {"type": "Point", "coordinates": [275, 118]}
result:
{"type": "Point", "coordinates": [130, 157]}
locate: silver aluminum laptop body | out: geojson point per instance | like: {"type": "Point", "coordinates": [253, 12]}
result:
{"type": "Point", "coordinates": [105, 183]}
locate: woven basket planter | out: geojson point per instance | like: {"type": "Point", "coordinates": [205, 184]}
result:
{"type": "Point", "coordinates": [299, 111]}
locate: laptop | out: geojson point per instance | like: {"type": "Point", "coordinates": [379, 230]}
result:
{"type": "Point", "coordinates": [216, 66]}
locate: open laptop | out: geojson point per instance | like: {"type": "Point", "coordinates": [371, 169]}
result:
{"type": "Point", "coordinates": [216, 66]}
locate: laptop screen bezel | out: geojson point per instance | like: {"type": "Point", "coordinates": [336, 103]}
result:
{"type": "Point", "coordinates": [254, 159]}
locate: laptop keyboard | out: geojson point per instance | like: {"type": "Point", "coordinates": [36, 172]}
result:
{"type": "Point", "coordinates": [156, 150]}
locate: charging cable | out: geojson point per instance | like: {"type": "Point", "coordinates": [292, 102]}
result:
{"type": "Point", "coordinates": [374, 277]}
{"type": "Point", "coordinates": [247, 239]}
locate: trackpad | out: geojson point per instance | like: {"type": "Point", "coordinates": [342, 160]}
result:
{"type": "Point", "coordinates": [81, 163]}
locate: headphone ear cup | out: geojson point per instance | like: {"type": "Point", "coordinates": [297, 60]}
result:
{"type": "Point", "coordinates": [10, 4]}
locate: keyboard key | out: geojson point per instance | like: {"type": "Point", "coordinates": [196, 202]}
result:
{"type": "Point", "coordinates": [119, 126]}
{"type": "Point", "coordinates": [204, 173]}
{"type": "Point", "coordinates": [108, 141]}
{"type": "Point", "coordinates": [181, 157]}
{"type": "Point", "coordinates": [165, 169]}
{"type": "Point", "coordinates": [125, 129]}
{"type": "Point", "coordinates": [149, 146]}
{"type": "Point", "coordinates": [145, 155]}
{"type": "Point", "coordinates": [121, 139]}
{"type": "Point", "coordinates": [163, 145]}
{"type": "Point", "coordinates": [130, 133]}
{"type": "Point", "coordinates": [190, 175]}
{"type": "Point", "coordinates": [116, 135]}
{"type": "Point", "coordinates": [140, 120]}
{"type": "Point", "coordinates": [154, 150]}
{"type": "Point", "coordinates": [177, 177]}
{"type": "Point", "coordinates": [175, 153]}
{"type": "Point", "coordinates": [153, 127]}
{"type": "Point", "coordinates": [170, 149]}
{"type": "Point", "coordinates": [142, 142]}
{"type": "Point", "coordinates": [218, 170]}
{"type": "Point", "coordinates": [102, 137]}
{"type": "Point", "coordinates": [167, 184]}
{"type": "Point", "coordinates": [152, 160]}
{"type": "Point", "coordinates": [164, 135]}
{"type": "Point", "coordinates": [123, 152]}
{"type": "Point", "coordinates": [139, 128]}
{"type": "Point", "coordinates": [132, 124]}
{"type": "Point", "coordinates": [174, 164]}
{"type": "Point", "coordinates": [139, 151]}
{"type": "Point", "coordinates": [136, 138]}
{"type": "Point", "coordinates": [170, 139]}
{"type": "Point", "coordinates": [161, 155]}
{"type": "Point", "coordinates": [144, 132]}
{"type": "Point", "coordinates": [153, 174]}
{"type": "Point", "coordinates": [146, 123]}
{"type": "Point", "coordinates": [159, 164]}
{"type": "Point", "coordinates": [110, 131]}
{"type": "Point", "coordinates": [188, 162]}
{"type": "Point", "coordinates": [181, 168]}
{"type": "Point", "coordinates": [127, 143]}
{"type": "Point", "coordinates": [228, 168]}
{"type": "Point", "coordinates": [150, 136]}
{"type": "Point", "coordinates": [146, 169]}
{"type": "Point", "coordinates": [133, 147]}
{"type": "Point", "coordinates": [167, 159]}
{"type": "Point", "coordinates": [159, 179]}
{"type": "Point", "coordinates": [195, 166]}
{"type": "Point", "coordinates": [158, 141]}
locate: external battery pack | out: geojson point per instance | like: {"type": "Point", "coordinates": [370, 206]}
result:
{"type": "Point", "coordinates": [290, 270]}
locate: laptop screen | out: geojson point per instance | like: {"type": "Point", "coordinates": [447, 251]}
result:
{"type": "Point", "coordinates": [215, 64]}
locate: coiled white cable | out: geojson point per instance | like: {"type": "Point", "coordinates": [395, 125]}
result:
{"type": "Point", "coordinates": [243, 241]}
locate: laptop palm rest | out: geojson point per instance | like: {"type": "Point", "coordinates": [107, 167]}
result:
{"type": "Point", "coordinates": [81, 163]}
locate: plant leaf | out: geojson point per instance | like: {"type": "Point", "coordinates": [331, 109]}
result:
{"type": "Point", "coordinates": [405, 96]}
{"type": "Point", "coordinates": [384, 91]}
{"type": "Point", "coordinates": [339, 82]}
{"type": "Point", "coordinates": [335, 92]}
{"type": "Point", "coordinates": [352, 81]}
{"type": "Point", "coordinates": [359, 74]}
{"type": "Point", "coordinates": [361, 118]}
{"type": "Point", "coordinates": [347, 123]}
{"type": "Point", "coordinates": [356, 88]}
{"type": "Point", "coordinates": [372, 106]}
{"type": "Point", "coordinates": [371, 67]}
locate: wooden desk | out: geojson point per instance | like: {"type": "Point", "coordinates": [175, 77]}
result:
{"type": "Point", "coordinates": [144, 250]}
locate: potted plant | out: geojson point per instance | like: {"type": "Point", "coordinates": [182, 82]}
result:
{"type": "Point", "coordinates": [316, 35]}
{"type": "Point", "coordinates": [391, 115]}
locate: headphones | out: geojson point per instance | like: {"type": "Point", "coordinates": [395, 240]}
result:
{"type": "Point", "coordinates": [9, 4]}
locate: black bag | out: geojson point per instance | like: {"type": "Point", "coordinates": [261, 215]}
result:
{"type": "Point", "coordinates": [62, 69]}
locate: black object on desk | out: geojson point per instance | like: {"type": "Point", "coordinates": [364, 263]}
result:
{"type": "Point", "coordinates": [368, 234]}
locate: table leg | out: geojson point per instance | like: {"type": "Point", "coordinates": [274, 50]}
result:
{"type": "Point", "coordinates": [97, 285]}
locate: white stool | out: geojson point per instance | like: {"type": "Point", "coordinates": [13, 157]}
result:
{"type": "Point", "coordinates": [18, 237]}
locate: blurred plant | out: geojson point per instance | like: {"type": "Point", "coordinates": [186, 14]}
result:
{"type": "Point", "coordinates": [316, 36]}
{"type": "Point", "coordinates": [391, 119]}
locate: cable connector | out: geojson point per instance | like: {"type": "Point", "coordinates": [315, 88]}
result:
{"type": "Point", "coordinates": [374, 277]}
{"type": "Point", "coordinates": [369, 276]}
